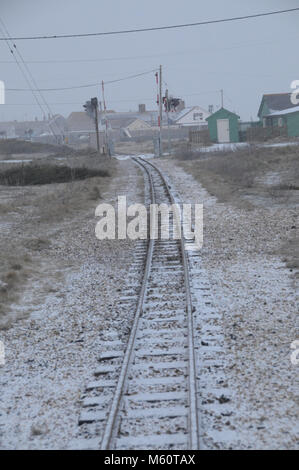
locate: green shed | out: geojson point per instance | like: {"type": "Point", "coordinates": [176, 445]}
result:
{"type": "Point", "coordinates": [223, 126]}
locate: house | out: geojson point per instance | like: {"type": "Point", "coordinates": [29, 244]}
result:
{"type": "Point", "coordinates": [277, 112]}
{"type": "Point", "coordinates": [131, 124]}
{"type": "Point", "coordinates": [80, 122]}
{"type": "Point", "coordinates": [7, 129]}
{"type": "Point", "coordinates": [34, 129]}
{"type": "Point", "coordinates": [271, 103]}
{"type": "Point", "coordinates": [149, 117]}
{"type": "Point", "coordinates": [223, 126]}
{"type": "Point", "coordinates": [81, 129]}
{"type": "Point", "coordinates": [191, 116]}
{"type": "Point", "coordinates": [286, 118]}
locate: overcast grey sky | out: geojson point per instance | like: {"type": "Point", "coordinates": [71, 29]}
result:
{"type": "Point", "coordinates": [246, 58]}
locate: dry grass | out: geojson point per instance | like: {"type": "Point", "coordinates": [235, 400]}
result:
{"type": "Point", "coordinates": [290, 253]}
{"type": "Point", "coordinates": [134, 148]}
{"type": "Point", "coordinates": [225, 173]}
{"type": "Point", "coordinates": [35, 214]}
{"type": "Point", "coordinates": [14, 271]}
{"type": "Point", "coordinates": [243, 178]}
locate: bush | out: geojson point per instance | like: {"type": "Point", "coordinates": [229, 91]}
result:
{"type": "Point", "coordinates": [9, 146]}
{"type": "Point", "coordinates": [32, 174]}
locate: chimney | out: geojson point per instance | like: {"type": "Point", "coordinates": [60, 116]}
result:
{"type": "Point", "coordinates": [141, 108]}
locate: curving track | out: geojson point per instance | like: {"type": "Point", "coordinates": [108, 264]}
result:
{"type": "Point", "coordinates": [154, 402]}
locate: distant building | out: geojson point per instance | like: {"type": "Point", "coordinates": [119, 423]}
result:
{"type": "Point", "coordinates": [223, 126]}
{"type": "Point", "coordinates": [8, 130]}
{"type": "Point", "coordinates": [80, 121]}
{"type": "Point", "coordinates": [132, 124]}
{"type": "Point", "coordinates": [149, 117]}
{"type": "Point", "coordinates": [272, 103]}
{"type": "Point", "coordinates": [277, 111]}
{"type": "Point", "coordinates": [34, 129]}
{"type": "Point", "coordinates": [81, 129]}
{"type": "Point", "coordinates": [191, 116]}
{"type": "Point", "coordinates": [288, 118]}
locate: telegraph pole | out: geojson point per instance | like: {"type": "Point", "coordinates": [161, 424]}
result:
{"type": "Point", "coordinates": [97, 128]}
{"type": "Point", "coordinates": [167, 114]}
{"type": "Point", "coordinates": [221, 91]}
{"type": "Point", "coordinates": [91, 108]}
{"type": "Point", "coordinates": [160, 112]}
{"type": "Point", "coordinates": [105, 119]}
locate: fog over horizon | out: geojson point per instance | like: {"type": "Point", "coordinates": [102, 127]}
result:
{"type": "Point", "coordinates": [244, 58]}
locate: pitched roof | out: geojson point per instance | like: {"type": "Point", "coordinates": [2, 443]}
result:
{"type": "Point", "coordinates": [277, 101]}
{"type": "Point", "coordinates": [219, 111]}
{"type": "Point", "coordinates": [80, 121]}
{"type": "Point", "coordinates": [182, 113]}
{"type": "Point", "coordinates": [186, 111]}
{"type": "Point", "coordinates": [148, 116]}
{"type": "Point", "coordinates": [295, 109]}
{"type": "Point", "coordinates": [120, 122]}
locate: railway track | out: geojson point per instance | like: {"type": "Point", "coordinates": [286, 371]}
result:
{"type": "Point", "coordinates": [152, 383]}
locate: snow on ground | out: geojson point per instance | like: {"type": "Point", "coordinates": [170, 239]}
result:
{"type": "Point", "coordinates": [223, 147]}
{"type": "Point", "coordinates": [246, 313]}
{"type": "Point", "coordinates": [235, 146]}
{"type": "Point", "coordinates": [127, 157]}
{"type": "Point", "coordinates": [245, 322]}
{"type": "Point", "coordinates": [281, 144]}
{"type": "Point", "coordinates": [16, 161]}
{"type": "Point", "coordinates": [53, 353]}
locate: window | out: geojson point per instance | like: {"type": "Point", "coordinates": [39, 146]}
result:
{"type": "Point", "coordinates": [197, 116]}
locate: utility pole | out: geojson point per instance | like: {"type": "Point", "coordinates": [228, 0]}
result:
{"type": "Point", "coordinates": [221, 91]}
{"type": "Point", "coordinates": [160, 112]}
{"type": "Point", "coordinates": [91, 108]}
{"type": "Point", "coordinates": [167, 114]}
{"type": "Point", "coordinates": [105, 119]}
{"type": "Point", "coordinates": [97, 127]}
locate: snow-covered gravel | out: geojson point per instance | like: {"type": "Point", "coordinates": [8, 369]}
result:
{"type": "Point", "coordinates": [51, 355]}
{"type": "Point", "coordinates": [247, 318]}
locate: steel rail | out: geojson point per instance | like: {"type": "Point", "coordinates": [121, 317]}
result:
{"type": "Point", "coordinates": [193, 408]}
{"type": "Point", "coordinates": [193, 425]}
{"type": "Point", "coordinates": [108, 433]}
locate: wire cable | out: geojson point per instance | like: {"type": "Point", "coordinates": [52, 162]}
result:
{"type": "Point", "coordinates": [86, 86]}
{"type": "Point", "coordinates": [29, 76]}
{"type": "Point", "coordinates": [154, 28]}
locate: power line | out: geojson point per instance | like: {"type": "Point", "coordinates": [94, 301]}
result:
{"type": "Point", "coordinates": [10, 46]}
{"type": "Point", "coordinates": [238, 45]}
{"type": "Point", "coordinates": [27, 75]}
{"type": "Point", "coordinates": [128, 100]}
{"type": "Point", "coordinates": [131, 76]}
{"type": "Point", "coordinates": [154, 28]}
{"type": "Point", "coordinates": [55, 89]}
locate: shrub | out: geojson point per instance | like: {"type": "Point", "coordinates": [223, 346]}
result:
{"type": "Point", "coordinates": [31, 174]}
{"type": "Point", "coordinates": [9, 146]}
